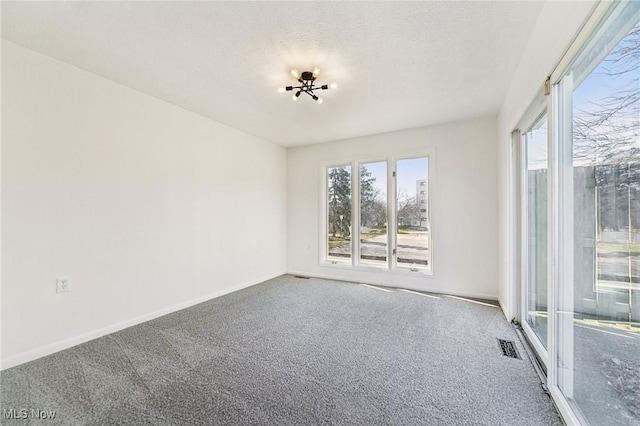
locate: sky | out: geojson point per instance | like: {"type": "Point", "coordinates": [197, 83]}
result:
{"type": "Point", "coordinates": [599, 84]}
{"type": "Point", "coordinates": [537, 147]}
{"type": "Point", "coordinates": [379, 171]}
{"type": "Point", "coordinates": [408, 172]}
{"type": "Point", "coordinates": [588, 96]}
{"type": "Point", "coordinates": [609, 80]}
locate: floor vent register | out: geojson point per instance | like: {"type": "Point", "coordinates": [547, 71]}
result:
{"type": "Point", "coordinates": [508, 348]}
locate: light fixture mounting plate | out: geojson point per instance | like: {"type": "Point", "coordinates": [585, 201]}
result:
{"type": "Point", "coordinates": [307, 76]}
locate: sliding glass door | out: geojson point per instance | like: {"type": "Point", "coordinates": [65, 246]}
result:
{"type": "Point", "coordinates": [579, 219]}
{"type": "Point", "coordinates": [535, 235]}
{"type": "Point", "coordinates": [597, 325]}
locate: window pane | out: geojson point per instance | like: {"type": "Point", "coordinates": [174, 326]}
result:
{"type": "Point", "coordinates": [412, 209]}
{"type": "Point", "coordinates": [373, 213]}
{"type": "Point", "coordinates": [339, 212]}
{"type": "Point", "coordinates": [536, 220]}
{"type": "Point", "coordinates": [602, 341]}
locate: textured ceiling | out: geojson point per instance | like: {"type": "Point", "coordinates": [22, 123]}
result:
{"type": "Point", "coordinates": [398, 65]}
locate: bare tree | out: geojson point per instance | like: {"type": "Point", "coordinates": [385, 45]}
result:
{"type": "Point", "coordinates": [408, 209]}
{"type": "Point", "coordinates": [339, 200]}
{"type": "Point", "coordinates": [607, 131]}
{"type": "Point", "coordinates": [371, 204]}
{"type": "Point", "coordinates": [606, 134]}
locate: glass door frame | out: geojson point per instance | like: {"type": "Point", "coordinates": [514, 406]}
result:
{"type": "Point", "coordinates": [563, 82]}
{"type": "Point", "coordinates": [536, 113]}
{"type": "Point", "coordinates": [558, 103]}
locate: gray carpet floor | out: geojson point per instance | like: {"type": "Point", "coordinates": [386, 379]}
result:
{"type": "Point", "coordinates": [292, 351]}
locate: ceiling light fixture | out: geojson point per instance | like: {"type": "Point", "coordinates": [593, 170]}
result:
{"type": "Point", "coordinates": [307, 84]}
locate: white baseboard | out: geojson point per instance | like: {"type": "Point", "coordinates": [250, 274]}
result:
{"type": "Point", "coordinates": [52, 348]}
{"type": "Point", "coordinates": [390, 285]}
{"type": "Point", "coordinates": [504, 311]}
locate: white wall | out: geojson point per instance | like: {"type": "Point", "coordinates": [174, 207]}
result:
{"type": "Point", "coordinates": [463, 211]}
{"type": "Point", "coordinates": [557, 25]}
{"type": "Point", "coordinates": [145, 206]}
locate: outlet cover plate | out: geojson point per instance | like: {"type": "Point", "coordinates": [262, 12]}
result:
{"type": "Point", "coordinates": [63, 285]}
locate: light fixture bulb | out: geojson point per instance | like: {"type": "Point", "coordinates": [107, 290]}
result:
{"type": "Point", "coordinates": [319, 100]}
{"type": "Point", "coordinates": [333, 85]}
{"type": "Point", "coordinates": [295, 73]}
{"type": "Point", "coordinates": [281, 89]}
{"type": "Point", "coordinates": [294, 98]}
{"type": "Point", "coordinates": [316, 72]}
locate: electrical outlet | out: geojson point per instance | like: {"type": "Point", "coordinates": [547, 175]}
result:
{"type": "Point", "coordinates": [63, 285]}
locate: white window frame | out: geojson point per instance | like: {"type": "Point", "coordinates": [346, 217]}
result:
{"type": "Point", "coordinates": [324, 215]}
{"type": "Point", "coordinates": [430, 155]}
{"type": "Point", "coordinates": [536, 112]}
{"type": "Point", "coordinates": [356, 203]}
{"type": "Point", "coordinates": [355, 263]}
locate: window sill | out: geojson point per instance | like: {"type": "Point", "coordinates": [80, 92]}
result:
{"type": "Point", "coordinates": [376, 268]}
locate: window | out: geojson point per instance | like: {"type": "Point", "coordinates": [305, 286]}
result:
{"type": "Point", "coordinates": [339, 212]}
{"type": "Point", "coordinates": [373, 239]}
{"type": "Point", "coordinates": [379, 242]}
{"type": "Point", "coordinates": [412, 233]}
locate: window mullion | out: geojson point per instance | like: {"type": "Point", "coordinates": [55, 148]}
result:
{"type": "Point", "coordinates": [355, 213]}
{"type": "Point", "coordinates": [391, 212]}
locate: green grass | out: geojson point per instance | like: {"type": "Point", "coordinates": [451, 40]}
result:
{"type": "Point", "coordinates": [337, 241]}
{"type": "Point", "coordinates": [334, 244]}
{"type": "Point", "coordinates": [378, 229]}
{"type": "Point", "coordinates": [408, 229]}
{"type": "Point", "coordinates": [370, 235]}
{"type": "Point", "coordinates": [618, 247]}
